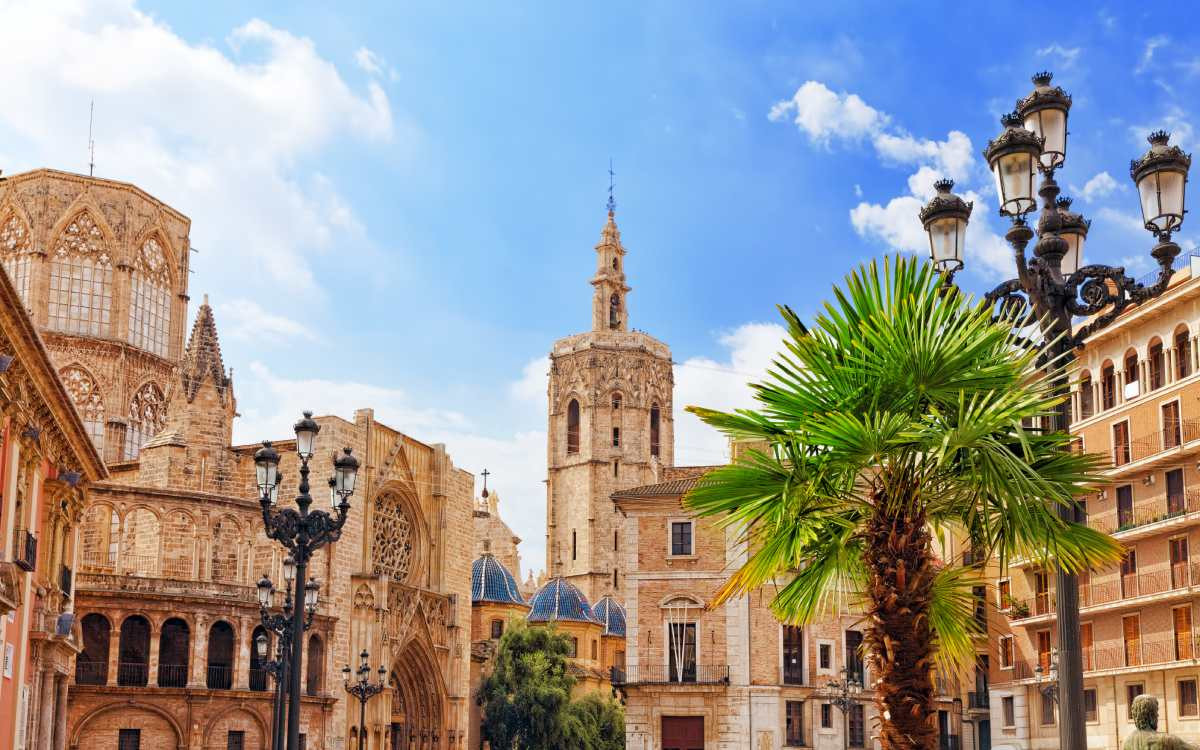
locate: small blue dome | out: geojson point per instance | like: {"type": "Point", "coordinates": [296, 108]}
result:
{"type": "Point", "coordinates": [491, 582]}
{"type": "Point", "coordinates": [611, 615]}
{"type": "Point", "coordinates": [559, 600]}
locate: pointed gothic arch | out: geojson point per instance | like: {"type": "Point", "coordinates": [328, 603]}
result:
{"type": "Point", "coordinates": [16, 249]}
{"type": "Point", "coordinates": [401, 536]}
{"type": "Point", "coordinates": [418, 698]}
{"type": "Point", "coordinates": [81, 276]}
{"type": "Point", "coordinates": [89, 402]}
{"type": "Point", "coordinates": [150, 295]}
{"type": "Point", "coordinates": [573, 426]}
{"type": "Point", "coordinates": [147, 417]}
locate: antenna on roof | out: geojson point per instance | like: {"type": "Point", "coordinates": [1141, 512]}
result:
{"type": "Point", "coordinates": [92, 141]}
{"type": "Point", "coordinates": [612, 204]}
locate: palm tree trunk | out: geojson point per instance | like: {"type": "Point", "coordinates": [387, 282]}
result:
{"type": "Point", "coordinates": [899, 640]}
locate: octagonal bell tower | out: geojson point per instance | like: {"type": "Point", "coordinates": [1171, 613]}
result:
{"type": "Point", "coordinates": [610, 428]}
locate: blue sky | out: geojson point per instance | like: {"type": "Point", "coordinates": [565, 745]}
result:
{"type": "Point", "coordinates": [395, 204]}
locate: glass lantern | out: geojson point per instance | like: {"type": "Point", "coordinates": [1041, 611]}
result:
{"type": "Point", "coordinates": [1161, 176]}
{"type": "Point", "coordinates": [1044, 113]}
{"type": "Point", "coordinates": [945, 219]}
{"type": "Point", "coordinates": [1012, 156]}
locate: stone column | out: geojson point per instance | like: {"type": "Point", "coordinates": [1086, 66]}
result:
{"type": "Point", "coordinates": [198, 661]}
{"type": "Point", "coordinates": [45, 706]}
{"type": "Point", "coordinates": [152, 663]}
{"type": "Point", "coordinates": [114, 651]}
{"type": "Point", "coordinates": [241, 656]}
{"type": "Point", "coordinates": [60, 714]}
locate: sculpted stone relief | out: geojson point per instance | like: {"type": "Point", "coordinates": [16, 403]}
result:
{"type": "Point", "coordinates": [392, 551]}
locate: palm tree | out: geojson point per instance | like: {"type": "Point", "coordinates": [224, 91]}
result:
{"type": "Point", "coordinates": [898, 419]}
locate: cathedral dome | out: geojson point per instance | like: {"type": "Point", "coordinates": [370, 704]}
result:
{"type": "Point", "coordinates": [492, 582]}
{"type": "Point", "coordinates": [611, 615]}
{"type": "Point", "coordinates": [560, 600]}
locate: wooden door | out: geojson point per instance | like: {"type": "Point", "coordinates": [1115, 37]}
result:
{"type": "Point", "coordinates": [1181, 618]}
{"type": "Point", "coordinates": [1170, 425]}
{"type": "Point", "coordinates": [1043, 648]}
{"type": "Point", "coordinates": [683, 732]}
{"type": "Point", "coordinates": [1131, 628]}
{"type": "Point", "coordinates": [1129, 579]}
{"type": "Point", "coordinates": [1085, 644]}
{"type": "Point", "coordinates": [1179, 562]}
{"type": "Point", "coordinates": [1176, 503]}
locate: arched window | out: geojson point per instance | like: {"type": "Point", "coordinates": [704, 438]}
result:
{"type": "Point", "coordinates": [133, 655]}
{"type": "Point", "coordinates": [614, 311]}
{"type": "Point", "coordinates": [573, 427]}
{"type": "Point", "coordinates": [220, 656]}
{"type": "Point", "coordinates": [616, 401]}
{"type": "Point", "coordinates": [88, 402]}
{"type": "Point", "coordinates": [91, 666]}
{"type": "Point", "coordinates": [178, 551]}
{"type": "Point", "coordinates": [258, 675]}
{"type": "Point", "coordinates": [655, 418]}
{"type": "Point", "coordinates": [149, 300]}
{"type": "Point", "coordinates": [140, 543]}
{"type": "Point", "coordinates": [1087, 405]}
{"type": "Point", "coordinates": [81, 279]}
{"type": "Point", "coordinates": [314, 666]}
{"type": "Point", "coordinates": [1108, 386]}
{"type": "Point", "coordinates": [173, 652]}
{"type": "Point", "coordinates": [16, 252]}
{"type": "Point", "coordinates": [225, 545]}
{"type": "Point", "coordinates": [147, 415]}
{"type": "Point", "coordinates": [1132, 389]}
{"type": "Point", "coordinates": [1183, 352]}
{"type": "Point", "coordinates": [1158, 370]}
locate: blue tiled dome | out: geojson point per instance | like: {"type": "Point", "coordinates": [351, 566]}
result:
{"type": "Point", "coordinates": [560, 600]}
{"type": "Point", "coordinates": [611, 615]}
{"type": "Point", "coordinates": [491, 582]}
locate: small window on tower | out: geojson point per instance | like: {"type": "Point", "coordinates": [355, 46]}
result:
{"type": "Point", "coordinates": [614, 312]}
{"type": "Point", "coordinates": [616, 401]}
{"type": "Point", "coordinates": [573, 427]}
{"type": "Point", "coordinates": [574, 546]}
{"type": "Point", "coordinates": [614, 578]}
{"type": "Point", "coordinates": [614, 264]}
{"type": "Point", "coordinates": [616, 467]}
{"type": "Point", "coordinates": [497, 629]}
{"type": "Point", "coordinates": [616, 437]}
{"type": "Point", "coordinates": [614, 541]}
{"type": "Point", "coordinates": [654, 429]}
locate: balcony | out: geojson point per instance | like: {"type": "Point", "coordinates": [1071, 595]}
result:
{"type": "Point", "coordinates": [709, 674]}
{"type": "Point", "coordinates": [172, 675]}
{"type": "Point", "coordinates": [132, 674]}
{"type": "Point", "coordinates": [1107, 656]}
{"type": "Point", "coordinates": [91, 672]}
{"type": "Point", "coordinates": [978, 699]}
{"type": "Point", "coordinates": [220, 677]}
{"type": "Point", "coordinates": [1174, 580]}
{"type": "Point", "coordinates": [1163, 510]}
{"type": "Point", "coordinates": [1147, 450]}
{"type": "Point", "coordinates": [25, 549]}
{"type": "Point", "coordinates": [258, 679]}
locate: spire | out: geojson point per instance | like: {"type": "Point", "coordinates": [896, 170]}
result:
{"type": "Point", "coordinates": [202, 358]}
{"type": "Point", "coordinates": [608, 301]}
{"type": "Point", "coordinates": [612, 203]}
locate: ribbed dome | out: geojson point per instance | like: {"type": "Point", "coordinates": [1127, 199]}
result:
{"type": "Point", "coordinates": [491, 582]}
{"type": "Point", "coordinates": [559, 600]}
{"type": "Point", "coordinates": [611, 615]}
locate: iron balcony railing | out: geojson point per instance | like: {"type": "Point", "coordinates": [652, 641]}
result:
{"type": "Point", "coordinates": [1172, 435]}
{"type": "Point", "coordinates": [708, 674]}
{"type": "Point", "coordinates": [1117, 654]}
{"type": "Point", "coordinates": [91, 672]}
{"type": "Point", "coordinates": [172, 675]}
{"type": "Point", "coordinates": [258, 679]}
{"type": "Point", "coordinates": [978, 699]}
{"type": "Point", "coordinates": [133, 674]}
{"type": "Point", "coordinates": [25, 549]}
{"type": "Point", "coordinates": [1114, 588]}
{"type": "Point", "coordinates": [220, 677]}
{"type": "Point", "coordinates": [1156, 509]}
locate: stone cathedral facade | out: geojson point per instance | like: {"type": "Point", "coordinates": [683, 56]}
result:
{"type": "Point", "coordinates": [610, 428]}
{"type": "Point", "coordinates": [171, 543]}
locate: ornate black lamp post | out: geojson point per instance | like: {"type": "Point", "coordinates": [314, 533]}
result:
{"type": "Point", "coordinates": [363, 689]}
{"type": "Point", "coordinates": [1052, 288]}
{"type": "Point", "coordinates": [302, 531]}
{"type": "Point", "coordinates": [844, 694]}
{"type": "Point", "coordinates": [1050, 689]}
{"type": "Point", "coordinates": [280, 623]}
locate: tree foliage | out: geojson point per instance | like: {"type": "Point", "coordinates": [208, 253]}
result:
{"type": "Point", "coordinates": [526, 699]}
{"type": "Point", "coordinates": [899, 418]}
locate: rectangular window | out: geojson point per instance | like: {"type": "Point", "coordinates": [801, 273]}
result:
{"type": "Point", "coordinates": [1131, 628]}
{"type": "Point", "coordinates": [614, 541]}
{"type": "Point", "coordinates": [826, 716]}
{"type": "Point", "coordinates": [1041, 589]}
{"type": "Point", "coordinates": [980, 594]}
{"type": "Point", "coordinates": [793, 655]}
{"type": "Point", "coordinates": [1047, 709]}
{"type": "Point", "coordinates": [129, 739]}
{"type": "Point", "coordinates": [1108, 387]}
{"type": "Point", "coordinates": [1181, 618]}
{"type": "Point", "coordinates": [1187, 698]}
{"type": "Point", "coordinates": [1171, 428]}
{"type": "Point", "coordinates": [795, 724]}
{"type": "Point", "coordinates": [1008, 706]}
{"type": "Point", "coordinates": [497, 628]}
{"type": "Point", "coordinates": [1175, 498]}
{"type": "Point", "coordinates": [616, 437]}
{"type": "Point", "coordinates": [682, 652]}
{"type": "Point", "coordinates": [235, 740]}
{"type": "Point", "coordinates": [858, 725]}
{"type": "Point", "coordinates": [1157, 370]}
{"type": "Point", "coordinates": [574, 650]}
{"type": "Point", "coordinates": [1006, 652]}
{"type": "Point", "coordinates": [1132, 691]}
{"type": "Point", "coordinates": [1085, 644]}
{"type": "Point", "coordinates": [595, 650]}
{"type": "Point", "coordinates": [1043, 650]}
{"type": "Point", "coordinates": [1120, 432]}
{"type": "Point", "coordinates": [1005, 589]}
{"type": "Point", "coordinates": [1089, 705]}
{"type": "Point", "coordinates": [1124, 507]}
{"type": "Point", "coordinates": [825, 656]}
{"type": "Point", "coordinates": [854, 657]}
{"type": "Point", "coordinates": [681, 537]}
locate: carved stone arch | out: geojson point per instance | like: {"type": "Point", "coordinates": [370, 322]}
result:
{"type": "Point", "coordinates": [400, 545]}
{"type": "Point", "coordinates": [17, 247]}
{"type": "Point", "coordinates": [95, 713]}
{"type": "Point", "coordinates": [219, 716]}
{"type": "Point", "coordinates": [364, 598]}
{"type": "Point", "coordinates": [84, 388]}
{"type": "Point", "coordinates": [158, 233]}
{"type": "Point", "coordinates": [147, 416]}
{"type": "Point", "coordinates": [418, 695]}
{"type": "Point", "coordinates": [680, 597]}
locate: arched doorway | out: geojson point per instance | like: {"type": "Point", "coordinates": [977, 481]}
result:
{"type": "Point", "coordinates": [418, 700]}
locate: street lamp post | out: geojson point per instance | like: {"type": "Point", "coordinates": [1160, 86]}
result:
{"type": "Point", "coordinates": [363, 689]}
{"type": "Point", "coordinates": [280, 623]}
{"type": "Point", "coordinates": [302, 531]}
{"type": "Point", "coordinates": [1053, 287]}
{"type": "Point", "coordinates": [844, 694]}
{"type": "Point", "coordinates": [1050, 689]}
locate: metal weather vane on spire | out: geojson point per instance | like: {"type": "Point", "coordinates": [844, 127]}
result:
{"type": "Point", "coordinates": [612, 203]}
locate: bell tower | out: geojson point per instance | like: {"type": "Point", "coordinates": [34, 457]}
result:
{"type": "Point", "coordinates": [610, 427]}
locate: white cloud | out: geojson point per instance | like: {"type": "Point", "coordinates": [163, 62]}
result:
{"type": "Point", "coordinates": [1065, 56]}
{"type": "Point", "coordinates": [1152, 45]}
{"type": "Point", "coordinates": [1175, 121]}
{"type": "Point", "coordinates": [702, 381]}
{"type": "Point", "coordinates": [373, 64]}
{"type": "Point", "coordinates": [217, 130]}
{"type": "Point", "coordinates": [534, 381]}
{"type": "Point", "coordinates": [1100, 186]}
{"type": "Point", "coordinates": [1121, 220]}
{"type": "Point", "coordinates": [825, 115]}
{"type": "Point", "coordinates": [246, 320]}
{"type": "Point", "coordinates": [896, 224]}
{"type": "Point", "coordinates": [952, 157]}
{"type": "Point", "coordinates": [858, 190]}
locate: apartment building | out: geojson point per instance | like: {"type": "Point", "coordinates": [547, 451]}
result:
{"type": "Point", "coordinates": [1135, 398]}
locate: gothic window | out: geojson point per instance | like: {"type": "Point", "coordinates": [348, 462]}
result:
{"type": "Point", "coordinates": [147, 416]}
{"type": "Point", "coordinates": [15, 253]}
{"type": "Point", "coordinates": [149, 304]}
{"type": "Point", "coordinates": [393, 548]}
{"type": "Point", "coordinates": [655, 418]}
{"type": "Point", "coordinates": [87, 400]}
{"type": "Point", "coordinates": [614, 312]}
{"type": "Point", "coordinates": [573, 427]}
{"type": "Point", "coordinates": [81, 280]}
